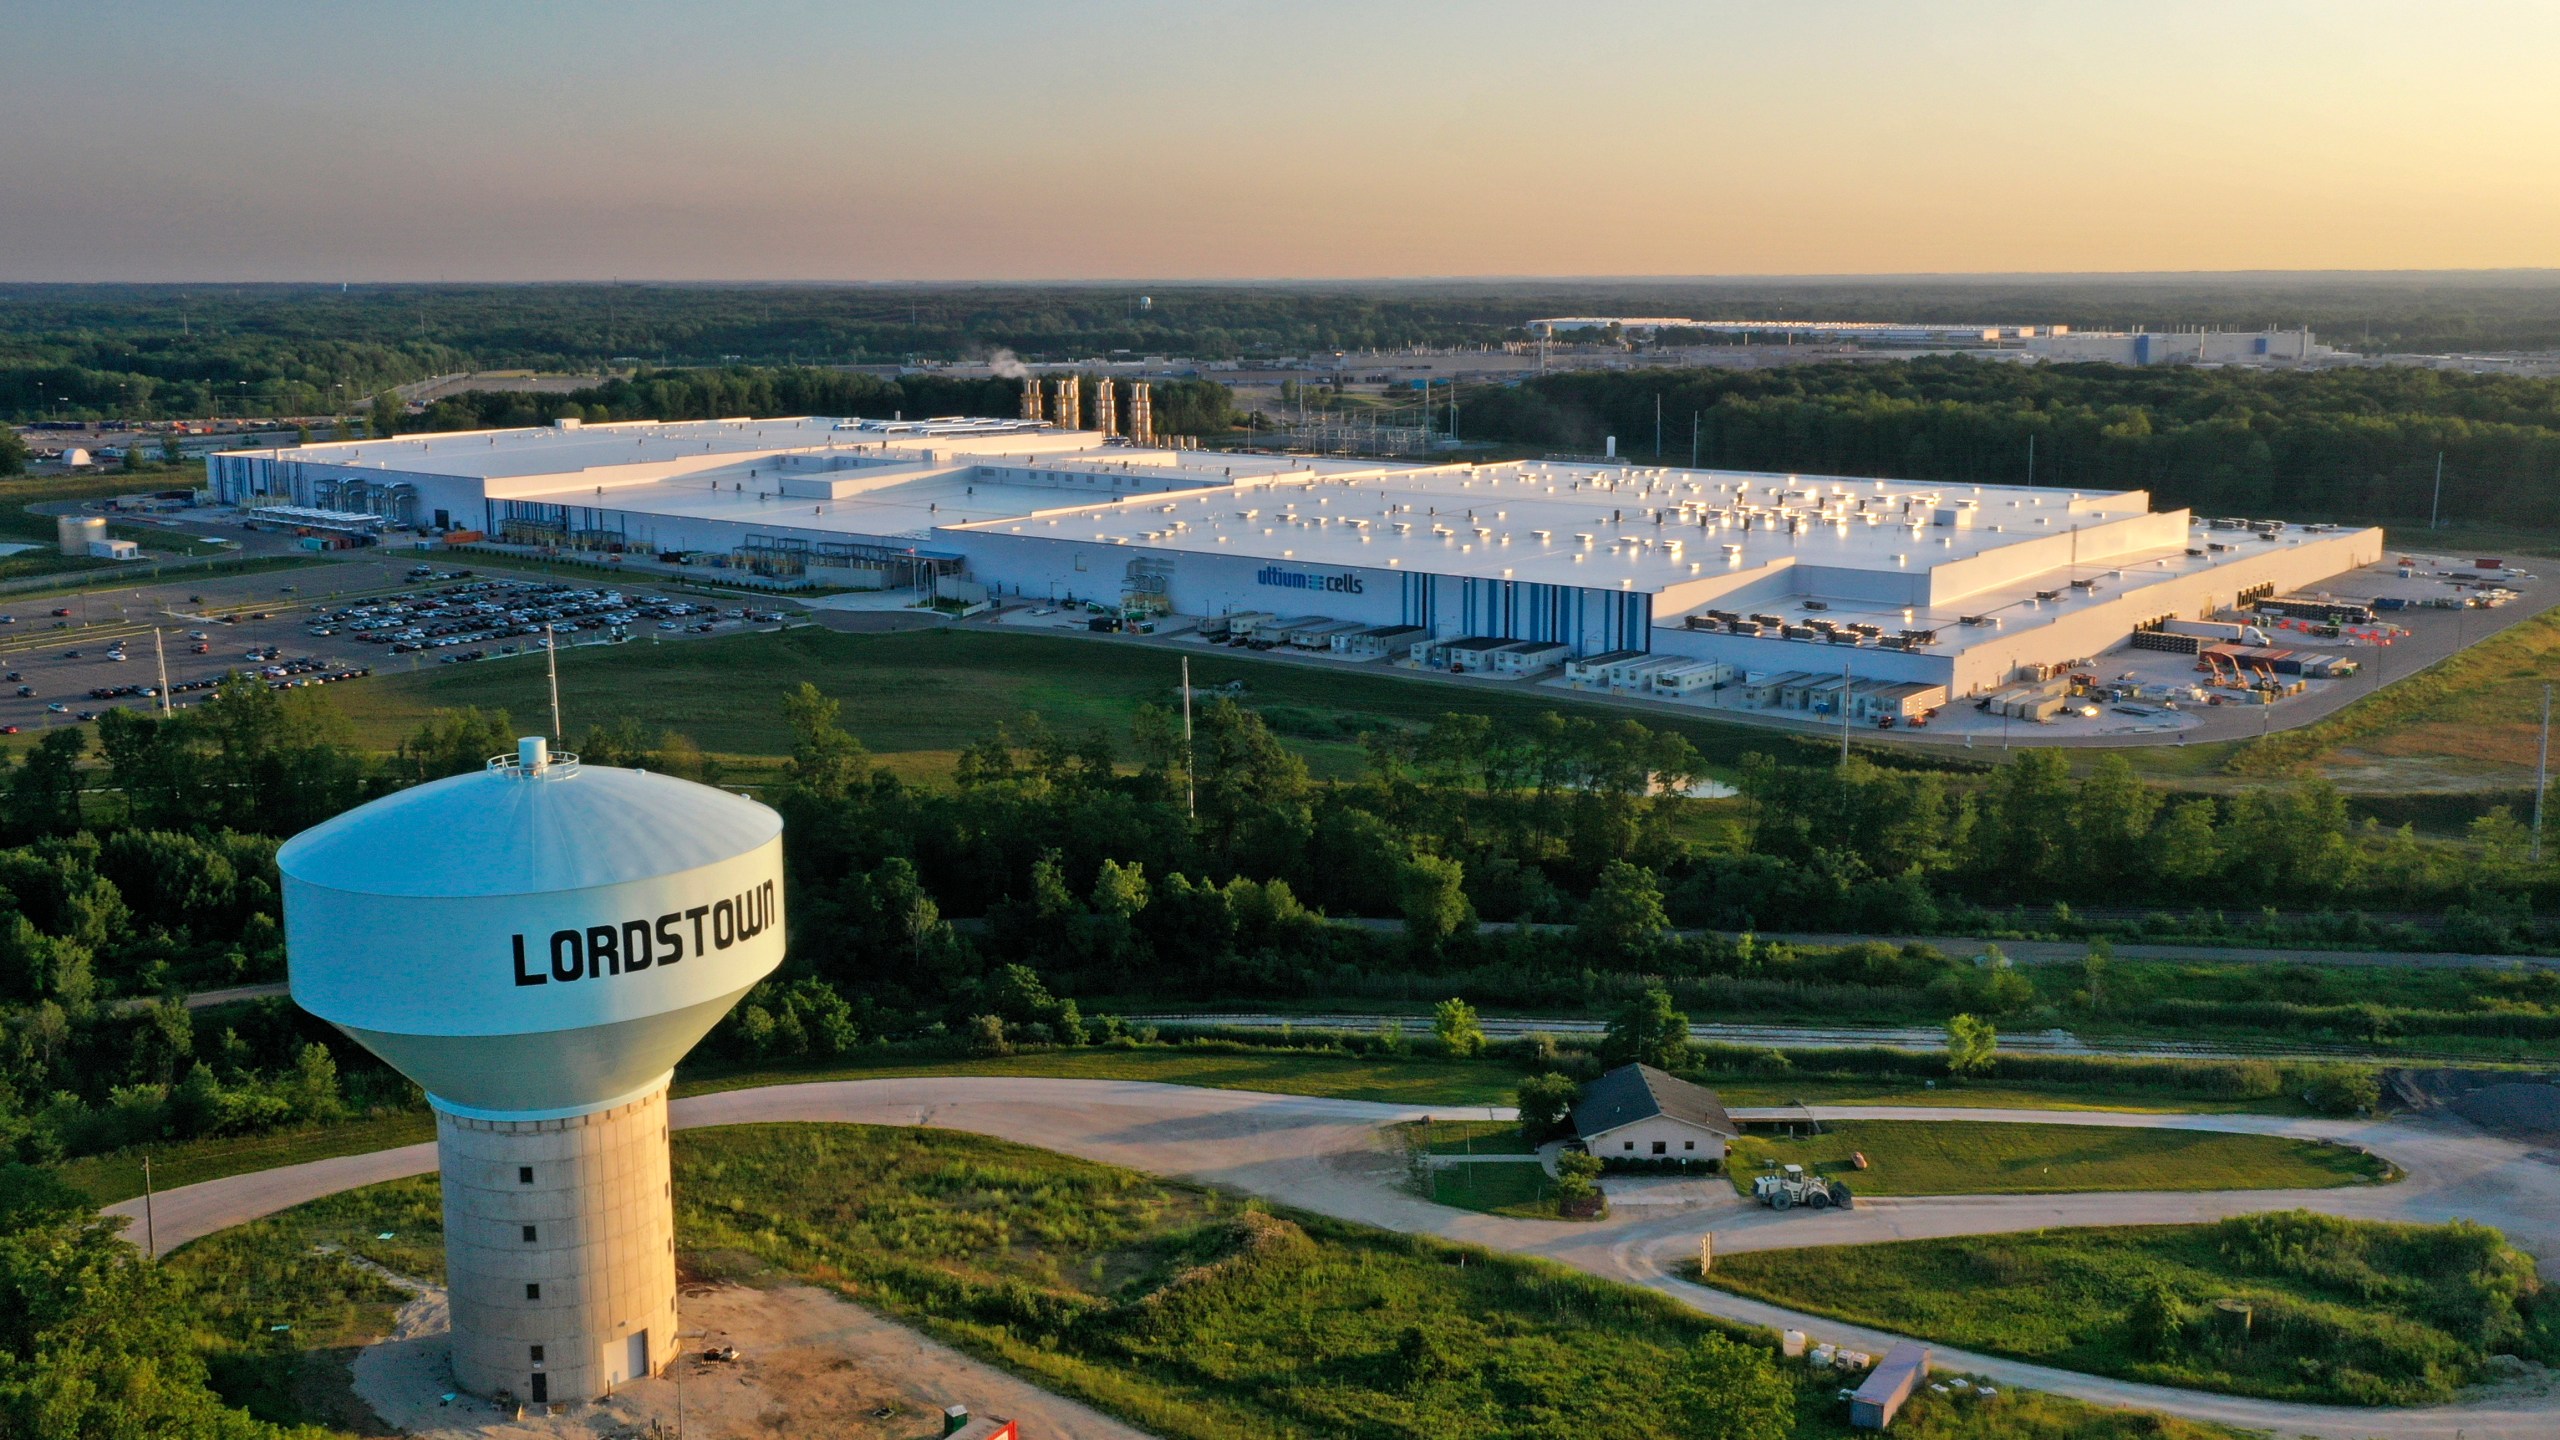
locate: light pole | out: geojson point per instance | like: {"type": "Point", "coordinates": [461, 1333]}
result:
{"type": "Point", "coordinates": [2542, 775]}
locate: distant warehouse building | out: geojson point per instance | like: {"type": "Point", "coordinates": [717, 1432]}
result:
{"type": "Point", "coordinates": [1890, 582]}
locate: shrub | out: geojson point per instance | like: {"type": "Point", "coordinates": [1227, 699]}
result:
{"type": "Point", "coordinates": [2343, 1090]}
{"type": "Point", "coordinates": [986, 1036]}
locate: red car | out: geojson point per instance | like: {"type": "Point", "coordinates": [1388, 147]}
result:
{"type": "Point", "coordinates": [62, 611]}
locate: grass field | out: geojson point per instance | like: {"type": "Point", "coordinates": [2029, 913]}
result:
{"type": "Point", "coordinates": [1923, 1157]}
{"type": "Point", "coordinates": [2479, 709]}
{"type": "Point", "coordinates": [915, 697]}
{"type": "Point", "coordinates": [1519, 1188]}
{"type": "Point", "coordinates": [1513, 1185]}
{"type": "Point", "coordinates": [2340, 1310]}
{"type": "Point", "coordinates": [283, 1303]}
{"type": "Point", "coordinates": [1412, 1080]}
{"type": "Point", "coordinates": [1174, 1308]}
{"type": "Point", "coordinates": [1185, 1311]}
{"type": "Point", "coordinates": [1465, 1137]}
{"type": "Point", "coordinates": [18, 525]}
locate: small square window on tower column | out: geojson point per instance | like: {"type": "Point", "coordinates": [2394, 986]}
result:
{"type": "Point", "coordinates": [528, 1234]}
{"type": "Point", "coordinates": [524, 1174]}
{"type": "Point", "coordinates": [533, 1290]}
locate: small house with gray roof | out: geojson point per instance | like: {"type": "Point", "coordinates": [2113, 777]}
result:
{"type": "Point", "coordinates": [1636, 1112]}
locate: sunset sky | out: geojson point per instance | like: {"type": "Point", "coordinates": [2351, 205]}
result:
{"type": "Point", "coordinates": [263, 139]}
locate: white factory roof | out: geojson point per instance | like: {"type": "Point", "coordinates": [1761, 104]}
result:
{"type": "Point", "coordinates": [1626, 528]}
{"type": "Point", "coordinates": [1593, 526]}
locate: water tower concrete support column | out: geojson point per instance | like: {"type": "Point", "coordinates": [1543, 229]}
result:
{"type": "Point", "coordinates": [559, 1249]}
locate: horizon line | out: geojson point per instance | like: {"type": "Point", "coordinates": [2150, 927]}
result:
{"type": "Point", "coordinates": [1737, 277]}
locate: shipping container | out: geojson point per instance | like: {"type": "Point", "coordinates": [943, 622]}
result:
{"type": "Point", "coordinates": [1877, 1401]}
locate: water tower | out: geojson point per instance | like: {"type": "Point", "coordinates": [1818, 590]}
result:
{"type": "Point", "coordinates": [537, 945]}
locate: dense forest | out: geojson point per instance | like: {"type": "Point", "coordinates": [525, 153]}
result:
{"type": "Point", "coordinates": [1130, 866]}
{"type": "Point", "coordinates": [88, 351]}
{"type": "Point", "coordinates": [2334, 444]}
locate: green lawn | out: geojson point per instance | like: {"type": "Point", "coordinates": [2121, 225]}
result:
{"type": "Point", "coordinates": [2340, 1310]}
{"type": "Point", "coordinates": [915, 697]}
{"type": "Point", "coordinates": [1978, 1095]}
{"type": "Point", "coordinates": [1465, 1137]}
{"type": "Point", "coordinates": [1519, 1188]}
{"type": "Point", "coordinates": [1940, 1157]}
{"type": "Point", "coordinates": [1411, 1080]}
{"type": "Point", "coordinates": [1513, 1184]}
{"type": "Point", "coordinates": [1186, 1311]}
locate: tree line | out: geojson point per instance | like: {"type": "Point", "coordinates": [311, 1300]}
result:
{"type": "Point", "coordinates": [1181, 407]}
{"type": "Point", "coordinates": [158, 351]}
{"type": "Point", "coordinates": [2345, 444]}
{"type": "Point", "coordinates": [1552, 863]}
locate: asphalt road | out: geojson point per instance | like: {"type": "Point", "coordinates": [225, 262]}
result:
{"type": "Point", "coordinates": [1327, 1156]}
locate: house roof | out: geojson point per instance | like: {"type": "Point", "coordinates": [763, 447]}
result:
{"type": "Point", "coordinates": [1640, 1092]}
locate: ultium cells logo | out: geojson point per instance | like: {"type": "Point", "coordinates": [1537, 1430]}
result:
{"type": "Point", "coordinates": [1345, 583]}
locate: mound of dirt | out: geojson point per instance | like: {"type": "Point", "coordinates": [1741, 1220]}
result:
{"type": "Point", "coordinates": [2425, 1088]}
{"type": "Point", "coordinates": [2524, 1111]}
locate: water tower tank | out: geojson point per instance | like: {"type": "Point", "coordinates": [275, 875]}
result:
{"type": "Point", "coordinates": [536, 945]}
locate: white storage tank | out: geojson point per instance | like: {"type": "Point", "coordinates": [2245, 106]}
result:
{"type": "Point", "coordinates": [76, 533]}
{"type": "Point", "coordinates": [536, 945]}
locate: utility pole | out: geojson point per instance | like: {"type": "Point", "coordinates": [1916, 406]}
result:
{"type": "Point", "coordinates": [1190, 792]}
{"type": "Point", "coordinates": [2542, 775]}
{"type": "Point", "coordinates": [1657, 427]}
{"type": "Point", "coordinates": [551, 654]}
{"type": "Point", "coordinates": [150, 1228]}
{"type": "Point", "coordinates": [160, 654]}
{"type": "Point", "coordinates": [2436, 505]}
{"type": "Point", "coordinates": [1844, 716]}
{"type": "Point", "coordinates": [1694, 418]}
{"type": "Point", "coordinates": [2031, 459]}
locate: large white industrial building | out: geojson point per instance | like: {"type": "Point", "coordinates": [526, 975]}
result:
{"type": "Point", "coordinates": [1940, 584]}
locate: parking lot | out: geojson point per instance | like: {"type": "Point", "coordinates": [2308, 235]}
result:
{"type": "Point", "coordinates": [69, 658]}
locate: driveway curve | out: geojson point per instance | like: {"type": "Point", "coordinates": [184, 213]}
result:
{"type": "Point", "coordinates": [1326, 1156]}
